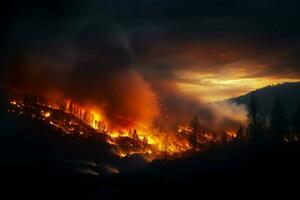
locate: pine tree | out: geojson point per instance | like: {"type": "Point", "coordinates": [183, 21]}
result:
{"type": "Point", "coordinates": [71, 107]}
{"type": "Point", "coordinates": [62, 105]}
{"type": "Point", "coordinates": [101, 126]}
{"type": "Point", "coordinates": [196, 128]}
{"type": "Point", "coordinates": [239, 133]}
{"type": "Point", "coordinates": [223, 138]}
{"type": "Point", "coordinates": [26, 98]}
{"type": "Point", "coordinates": [252, 121]}
{"type": "Point", "coordinates": [279, 122]}
{"type": "Point", "coordinates": [85, 116]}
{"type": "Point", "coordinates": [33, 100]}
{"type": "Point", "coordinates": [135, 135]}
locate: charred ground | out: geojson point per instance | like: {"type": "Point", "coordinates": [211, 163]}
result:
{"type": "Point", "coordinates": [37, 159]}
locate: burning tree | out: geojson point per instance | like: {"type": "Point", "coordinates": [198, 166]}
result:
{"type": "Point", "coordinates": [86, 120]}
{"type": "Point", "coordinates": [166, 146]}
{"type": "Point", "coordinates": [196, 129]}
{"type": "Point", "coordinates": [102, 127]}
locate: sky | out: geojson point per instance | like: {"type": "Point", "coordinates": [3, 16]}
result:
{"type": "Point", "coordinates": [208, 49]}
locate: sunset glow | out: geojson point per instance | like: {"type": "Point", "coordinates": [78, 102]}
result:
{"type": "Point", "coordinates": [149, 98]}
{"type": "Point", "coordinates": [216, 88]}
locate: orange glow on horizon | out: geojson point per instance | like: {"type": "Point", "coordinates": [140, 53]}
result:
{"type": "Point", "coordinates": [214, 88]}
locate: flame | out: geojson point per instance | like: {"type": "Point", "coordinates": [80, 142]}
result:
{"type": "Point", "coordinates": [231, 133]}
{"type": "Point", "coordinates": [46, 114]}
{"type": "Point", "coordinates": [134, 137]}
{"type": "Point", "coordinates": [13, 102]}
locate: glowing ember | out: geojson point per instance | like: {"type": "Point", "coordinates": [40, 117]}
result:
{"type": "Point", "coordinates": [13, 102]}
{"type": "Point", "coordinates": [231, 133]}
{"type": "Point", "coordinates": [46, 114]}
{"type": "Point", "coordinates": [135, 138]}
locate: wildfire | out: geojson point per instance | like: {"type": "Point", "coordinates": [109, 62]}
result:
{"type": "Point", "coordinates": [135, 138]}
{"type": "Point", "coordinates": [46, 114]}
{"type": "Point", "coordinates": [231, 133]}
{"type": "Point", "coordinates": [13, 102]}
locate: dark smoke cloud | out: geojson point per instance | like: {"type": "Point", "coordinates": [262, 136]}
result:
{"type": "Point", "coordinates": [93, 67]}
{"type": "Point", "coordinates": [116, 52]}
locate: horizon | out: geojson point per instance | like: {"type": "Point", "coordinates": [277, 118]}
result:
{"type": "Point", "coordinates": [202, 50]}
{"type": "Point", "coordinates": [121, 97]}
{"type": "Point", "coordinates": [157, 63]}
{"type": "Point", "coordinates": [260, 88]}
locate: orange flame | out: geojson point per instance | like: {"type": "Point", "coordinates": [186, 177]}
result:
{"type": "Point", "coordinates": [133, 137]}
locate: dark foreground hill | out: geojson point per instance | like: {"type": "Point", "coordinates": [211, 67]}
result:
{"type": "Point", "coordinates": [289, 94]}
{"type": "Point", "coordinates": [36, 160]}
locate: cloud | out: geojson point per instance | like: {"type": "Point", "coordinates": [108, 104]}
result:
{"type": "Point", "coordinates": [179, 53]}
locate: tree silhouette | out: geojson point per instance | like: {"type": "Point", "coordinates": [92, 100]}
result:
{"type": "Point", "coordinates": [85, 114]}
{"type": "Point", "coordinates": [252, 121]}
{"type": "Point", "coordinates": [26, 98]}
{"type": "Point", "coordinates": [261, 128]}
{"type": "Point", "coordinates": [224, 138]}
{"type": "Point", "coordinates": [296, 121]}
{"type": "Point", "coordinates": [196, 128]}
{"type": "Point", "coordinates": [239, 133]}
{"type": "Point", "coordinates": [166, 146]}
{"type": "Point", "coordinates": [101, 126]}
{"type": "Point", "coordinates": [33, 100]}
{"type": "Point", "coordinates": [80, 114]}
{"type": "Point", "coordinates": [279, 122]}
{"type": "Point", "coordinates": [71, 107]}
{"type": "Point", "coordinates": [135, 135]}
{"type": "Point", "coordinates": [62, 105]}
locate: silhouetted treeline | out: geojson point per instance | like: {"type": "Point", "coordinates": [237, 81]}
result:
{"type": "Point", "coordinates": [261, 131]}
{"type": "Point", "coordinates": [289, 94]}
{"type": "Point", "coordinates": [273, 130]}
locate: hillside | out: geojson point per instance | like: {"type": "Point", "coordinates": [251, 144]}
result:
{"type": "Point", "coordinates": [36, 156]}
{"type": "Point", "coordinates": [289, 94]}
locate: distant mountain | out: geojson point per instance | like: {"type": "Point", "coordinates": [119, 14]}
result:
{"type": "Point", "coordinates": [289, 94]}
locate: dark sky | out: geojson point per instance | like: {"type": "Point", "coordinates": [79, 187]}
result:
{"type": "Point", "coordinates": [210, 49]}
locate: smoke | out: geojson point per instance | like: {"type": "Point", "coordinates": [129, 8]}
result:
{"type": "Point", "coordinates": [95, 64]}
{"type": "Point", "coordinates": [179, 108]}
{"type": "Point", "coordinates": [228, 115]}
{"type": "Point", "coordinates": [94, 67]}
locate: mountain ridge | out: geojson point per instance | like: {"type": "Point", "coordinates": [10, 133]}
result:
{"type": "Point", "coordinates": [288, 93]}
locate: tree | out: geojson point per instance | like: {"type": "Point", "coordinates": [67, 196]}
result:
{"type": "Point", "coordinates": [166, 145]}
{"type": "Point", "coordinates": [71, 107]}
{"type": "Point", "coordinates": [239, 133]}
{"type": "Point", "coordinates": [62, 105]}
{"type": "Point", "coordinates": [261, 130]}
{"type": "Point", "coordinates": [42, 100]}
{"type": "Point", "coordinates": [252, 121]}
{"type": "Point", "coordinates": [26, 98]}
{"type": "Point", "coordinates": [84, 117]}
{"type": "Point", "coordinates": [279, 122]}
{"type": "Point", "coordinates": [135, 135]}
{"type": "Point", "coordinates": [223, 138]}
{"type": "Point", "coordinates": [33, 100]}
{"type": "Point", "coordinates": [101, 126]}
{"type": "Point", "coordinates": [196, 128]}
{"type": "Point", "coordinates": [296, 121]}
{"type": "Point", "coordinates": [80, 114]}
